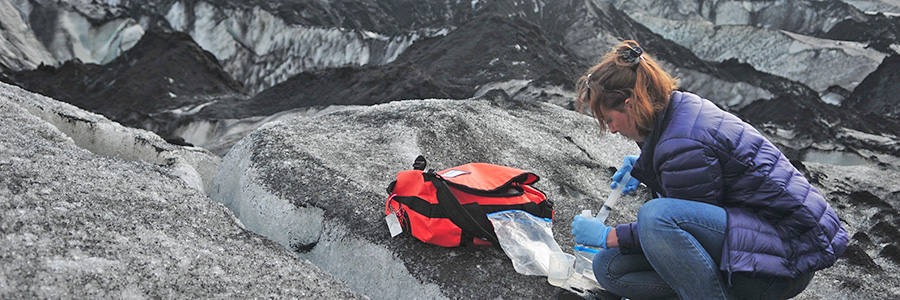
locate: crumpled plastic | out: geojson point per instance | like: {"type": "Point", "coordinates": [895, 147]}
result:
{"type": "Point", "coordinates": [526, 239]}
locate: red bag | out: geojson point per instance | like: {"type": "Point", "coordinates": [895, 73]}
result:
{"type": "Point", "coordinates": [449, 208]}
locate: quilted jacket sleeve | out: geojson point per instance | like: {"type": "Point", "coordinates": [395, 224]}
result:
{"type": "Point", "coordinates": [689, 170]}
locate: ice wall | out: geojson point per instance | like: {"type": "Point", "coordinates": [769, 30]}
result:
{"type": "Point", "coordinates": [256, 47]}
{"type": "Point", "coordinates": [368, 268]}
{"type": "Point", "coordinates": [294, 227]}
{"type": "Point", "coordinates": [19, 48]}
{"type": "Point", "coordinates": [85, 31]}
{"type": "Point", "coordinates": [805, 17]}
{"type": "Point", "coordinates": [818, 63]}
{"type": "Point", "coordinates": [77, 37]}
{"type": "Point", "coordinates": [261, 50]}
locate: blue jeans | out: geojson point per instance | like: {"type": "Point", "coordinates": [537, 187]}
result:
{"type": "Point", "coordinates": [682, 242]}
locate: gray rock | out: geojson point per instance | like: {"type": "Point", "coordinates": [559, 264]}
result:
{"type": "Point", "coordinates": [77, 223]}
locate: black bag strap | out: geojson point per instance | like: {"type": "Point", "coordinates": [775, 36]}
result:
{"type": "Point", "coordinates": [470, 217]}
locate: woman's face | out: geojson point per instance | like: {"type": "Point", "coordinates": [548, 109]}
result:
{"type": "Point", "coordinates": [620, 122]}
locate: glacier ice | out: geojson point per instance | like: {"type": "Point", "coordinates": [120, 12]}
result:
{"type": "Point", "coordinates": [77, 37]}
{"type": "Point", "coordinates": [876, 6]}
{"type": "Point", "coordinates": [818, 63]}
{"type": "Point", "coordinates": [219, 135]}
{"type": "Point", "coordinates": [19, 47]}
{"type": "Point", "coordinates": [837, 158]}
{"type": "Point", "coordinates": [81, 225]}
{"type": "Point", "coordinates": [731, 95]}
{"type": "Point", "coordinates": [806, 17]}
{"type": "Point", "coordinates": [344, 257]}
{"type": "Point", "coordinates": [256, 47]}
{"type": "Point", "coordinates": [294, 227]}
{"type": "Point", "coordinates": [341, 161]}
{"type": "Point", "coordinates": [261, 50]}
{"type": "Point", "coordinates": [195, 166]}
{"type": "Point", "coordinates": [177, 17]}
{"type": "Point", "coordinates": [304, 228]}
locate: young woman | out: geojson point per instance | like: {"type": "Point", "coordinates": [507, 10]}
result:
{"type": "Point", "coordinates": [733, 217]}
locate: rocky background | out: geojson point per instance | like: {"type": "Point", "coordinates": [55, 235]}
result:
{"type": "Point", "coordinates": [253, 122]}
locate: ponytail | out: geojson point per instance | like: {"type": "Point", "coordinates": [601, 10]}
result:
{"type": "Point", "coordinates": [626, 72]}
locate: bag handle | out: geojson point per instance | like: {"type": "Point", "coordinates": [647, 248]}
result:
{"type": "Point", "coordinates": [470, 218]}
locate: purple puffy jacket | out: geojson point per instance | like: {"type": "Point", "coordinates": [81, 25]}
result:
{"type": "Point", "coordinates": [778, 224]}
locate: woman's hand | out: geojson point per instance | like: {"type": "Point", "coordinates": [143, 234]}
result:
{"type": "Point", "coordinates": [592, 232]}
{"type": "Point", "coordinates": [627, 166]}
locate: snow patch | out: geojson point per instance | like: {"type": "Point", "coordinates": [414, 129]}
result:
{"type": "Point", "coordinates": [176, 16]}
{"type": "Point", "coordinates": [837, 158]}
{"type": "Point", "coordinates": [833, 99]}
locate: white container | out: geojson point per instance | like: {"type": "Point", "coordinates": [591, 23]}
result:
{"type": "Point", "coordinates": [561, 267]}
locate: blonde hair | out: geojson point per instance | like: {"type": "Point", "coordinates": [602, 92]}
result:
{"type": "Point", "coordinates": [626, 72]}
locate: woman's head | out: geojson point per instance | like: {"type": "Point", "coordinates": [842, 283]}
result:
{"type": "Point", "coordinates": [626, 91]}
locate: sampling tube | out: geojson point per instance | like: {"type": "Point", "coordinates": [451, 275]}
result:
{"type": "Point", "coordinates": [613, 197]}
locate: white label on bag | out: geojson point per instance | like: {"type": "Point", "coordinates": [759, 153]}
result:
{"type": "Point", "coordinates": [393, 224]}
{"type": "Point", "coordinates": [454, 173]}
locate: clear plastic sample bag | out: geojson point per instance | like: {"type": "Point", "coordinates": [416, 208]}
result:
{"type": "Point", "coordinates": [526, 239]}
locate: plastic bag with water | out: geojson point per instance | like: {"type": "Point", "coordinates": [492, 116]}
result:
{"type": "Point", "coordinates": [584, 261]}
{"type": "Point", "coordinates": [526, 239]}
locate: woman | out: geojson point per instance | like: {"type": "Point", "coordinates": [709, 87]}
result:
{"type": "Point", "coordinates": [733, 217]}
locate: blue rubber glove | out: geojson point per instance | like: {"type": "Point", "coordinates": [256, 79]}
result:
{"type": "Point", "coordinates": [590, 232]}
{"type": "Point", "coordinates": [627, 165]}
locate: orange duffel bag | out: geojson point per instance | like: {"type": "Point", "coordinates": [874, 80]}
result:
{"type": "Point", "coordinates": [449, 208]}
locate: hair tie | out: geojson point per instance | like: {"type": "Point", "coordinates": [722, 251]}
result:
{"type": "Point", "coordinates": [632, 55]}
{"type": "Point", "coordinates": [587, 84]}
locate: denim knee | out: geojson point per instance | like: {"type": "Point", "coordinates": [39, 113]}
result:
{"type": "Point", "coordinates": [652, 211]}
